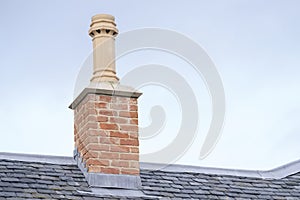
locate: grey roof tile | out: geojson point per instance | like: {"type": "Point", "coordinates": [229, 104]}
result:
{"type": "Point", "coordinates": [33, 180]}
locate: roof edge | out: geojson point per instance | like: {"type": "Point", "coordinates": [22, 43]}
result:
{"type": "Point", "coordinates": [63, 160]}
{"type": "Point", "coordinates": [275, 173]}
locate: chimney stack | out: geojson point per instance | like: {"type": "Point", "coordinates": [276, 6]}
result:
{"type": "Point", "coordinates": [106, 117]}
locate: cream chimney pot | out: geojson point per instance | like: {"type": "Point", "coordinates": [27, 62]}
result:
{"type": "Point", "coordinates": [103, 32]}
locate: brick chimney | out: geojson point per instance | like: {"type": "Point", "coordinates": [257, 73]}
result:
{"type": "Point", "coordinates": [106, 117]}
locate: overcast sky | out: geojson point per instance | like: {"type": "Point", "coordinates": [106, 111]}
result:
{"type": "Point", "coordinates": [255, 46]}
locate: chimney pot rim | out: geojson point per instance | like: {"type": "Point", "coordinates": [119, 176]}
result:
{"type": "Point", "coordinates": [100, 17]}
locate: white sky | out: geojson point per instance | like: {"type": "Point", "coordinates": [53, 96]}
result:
{"type": "Point", "coordinates": [254, 44]}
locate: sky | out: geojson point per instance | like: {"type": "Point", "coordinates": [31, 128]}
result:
{"type": "Point", "coordinates": [255, 46]}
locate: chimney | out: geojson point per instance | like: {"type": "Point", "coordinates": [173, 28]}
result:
{"type": "Point", "coordinates": [106, 117]}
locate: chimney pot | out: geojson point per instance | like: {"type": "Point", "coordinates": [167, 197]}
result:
{"type": "Point", "coordinates": [103, 31]}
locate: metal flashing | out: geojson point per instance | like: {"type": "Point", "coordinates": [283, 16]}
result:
{"type": "Point", "coordinates": [98, 180]}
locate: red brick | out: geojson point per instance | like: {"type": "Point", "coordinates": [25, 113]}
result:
{"type": "Point", "coordinates": [118, 134]}
{"type": "Point", "coordinates": [118, 163]}
{"type": "Point", "coordinates": [110, 170]}
{"type": "Point", "coordinates": [118, 120]}
{"type": "Point", "coordinates": [109, 126]}
{"type": "Point", "coordinates": [128, 114]}
{"type": "Point", "coordinates": [102, 133]}
{"type": "Point", "coordinates": [105, 98]}
{"type": "Point", "coordinates": [97, 162]}
{"type": "Point", "coordinates": [134, 150]}
{"type": "Point", "coordinates": [109, 155]}
{"type": "Point", "coordinates": [107, 113]}
{"type": "Point", "coordinates": [94, 169]}
{"type": "Point", "coordinates": [134, 164]}
{"type": "Point", "coordinates": [133, 135]}
{"type": "Point", "coordinates": [92, 112]}
{"type": "Point", "coordinates": [98, 147]}
{"type": "Point", "coordinates": [132, 142]}
{"type": "Point", "coordinates": [130, 171]}
{"type": "Point", "coordinates": [121, 149]}
{"type": "Point", "coordinates": [91, 125]}
{"type": "Point", "coordinates": [90, 140]}
{"type": "Point", "coordinates": [133, 108]}
{"type": "Point", "coordinates": [129, 157]}
{"type": "Point", "coordinates": [134, 121]}
{"type": "Point", "coordinates": [117, 106]}
{"type": "Point", "coordinates": [91, 154]}
{"type": "Point", "coordinates": [101, 105]}
{"type": "Point", "coordinates": [109, 141]}
{"type": "Point", "coordinates": [102, 119]}
{"type": "Point", "coordinates": [132, 128]}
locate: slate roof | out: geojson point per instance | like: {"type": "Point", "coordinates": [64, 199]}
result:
{"type": "Point", "coordinates": [39, 180]}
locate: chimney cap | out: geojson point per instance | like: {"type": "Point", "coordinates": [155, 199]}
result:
{"type": "Point", "coordinates": [100, 17]}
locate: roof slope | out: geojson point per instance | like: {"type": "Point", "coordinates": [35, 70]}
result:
{"type": "Point", "coordinates": [212, 186]}
{"type": "Point", "coordinates": [36, 180]}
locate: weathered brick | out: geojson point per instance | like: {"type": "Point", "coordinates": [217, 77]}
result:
{"type": "Point", "coordinates": [132, 142]}
{"type": "Point", "coordinates": [129, 157]}
{"type": "Point", "coordinates": [109, 155]}
{"type": "Point", "coordinates": [134, 150]}
{"type": "Point", "coordinates": [90, 140]}
{"type": "Point", "coordinates": [132, 128]}
{"type": "Point", "coordinates": [94, 169]}
{"type": "Point", "coordinates": [134, 164]}
{"type": "Point", "coordinates": [130, 171]}
{"type": "Point", "coordinates": [106, 134]}
{"type": "Point", "coordinates": [118, 134]}
{"type": "Point", "coordinates": [118, 120]}
{"type": "Point", "coordinates": [97, 162]}
{"type": "Point", "coordinates": [101, 133]}
{"type": "Point", "coordinates": [134, 121]}
{"type": "Point", "coordinates": [109, 141]}
{"type": "Point", "coordinates": [102, 119]}
{"type": "Point", "coordinates": [105, 98]}
{"type": "Point", "coordinates": [123, 149]}
{"type": "Point", "coordinates": [118, 163]}
{"type": "Point", "coordinates": [133, 108]}
{"type": "Point", "coordinates": [110, 170]}
{"type": "Point", "coordinates": [133, 135]}
{"type": "Point", "coordinates": [128, 114]}
{"type": "Point", "coordinates": [108, 126]}
{"type": "Point", "coordinates": [91, 125]}
{"type": "Point", "coordinates": [101, 105]}
{"type": "Point", "coordinates": [117, 106]}
{"type": "Point", "coordinates": [107, 112]}
{"type": "Point", "coordinates": [98, 147]}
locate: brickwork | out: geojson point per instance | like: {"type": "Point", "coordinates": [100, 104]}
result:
{"type": "Point", "coordinates": [106, 134]}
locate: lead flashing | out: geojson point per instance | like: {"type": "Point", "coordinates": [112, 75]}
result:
{"type": "Point", "coordinates": [99, 180]}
